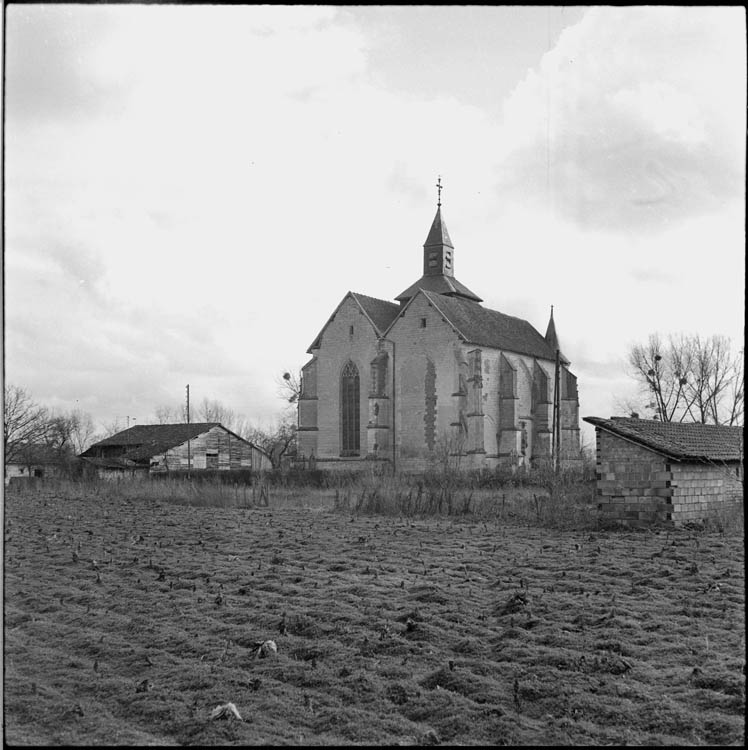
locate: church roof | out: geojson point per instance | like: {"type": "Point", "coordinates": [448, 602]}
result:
{"type": "Point", "coordinates": [552, 338]}
{"type": "Point", "coordinates": [438, 265]}
{"type": "Point", "coordinates": [380, 313]}
{"type": "Point", "coordinates": [678, 440]}
{"type": "Point", "coordinates": [438, 234]}
{"type": "Point", "coordinates": [479, 325]}
{"type": "Point", "coordinates": [439, 285]}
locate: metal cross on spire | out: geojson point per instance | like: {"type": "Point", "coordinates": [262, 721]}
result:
{"type": "Point", "coordinates": [439, 188]}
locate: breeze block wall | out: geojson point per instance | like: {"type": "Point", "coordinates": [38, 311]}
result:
{"type": "Point", "coordinates": [701, 490]}
{"type": "Point", "coordinates": [633, 485]}
{"type": "Point", "coordinates": [638, 486]}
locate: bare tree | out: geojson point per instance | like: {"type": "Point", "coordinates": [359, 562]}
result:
{"type": "Point", "coordinates": [688, 378]}
{"type": "Point", "coordinates": [289, 386]}
{"type": "Point", "coordinates": [212, 410]}
{"type": "Point", "coordinates": [736, 392]}
{"type": "Point", "coordinates": [70, 432]}
{"type": "Point", "coordinates": [24, 422]}
{"type": "Point", "coordinates": [110, 428]}
{"type": "Point", "coordinates": [168, 414]}
{"type": "Point", "coordinates": [278, 440]}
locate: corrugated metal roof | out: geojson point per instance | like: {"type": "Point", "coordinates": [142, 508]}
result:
{"type": "Point", "coordinates": [679, 440]}
{"type": "Point", "coordinates": [480, 325]}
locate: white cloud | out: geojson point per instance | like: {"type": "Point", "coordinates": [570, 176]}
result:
{"type": "Point", "coordinates": [634, 120]}
{"type": "Point", "coordinates": [203, 188]}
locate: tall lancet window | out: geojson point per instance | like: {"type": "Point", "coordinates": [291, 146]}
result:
{"type": "Point", "coordinates": [350, 410]}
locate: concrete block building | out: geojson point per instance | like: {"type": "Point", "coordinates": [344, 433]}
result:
{"type": "Point", "coordinates": [434, 377]}
{"type": "Point", "coordinates": [650, 471]}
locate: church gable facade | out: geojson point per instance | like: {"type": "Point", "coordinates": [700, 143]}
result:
{"type": "Point", "coordinates": [437, 379]}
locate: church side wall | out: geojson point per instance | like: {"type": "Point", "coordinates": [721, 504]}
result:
{"type": "Point", "coordinates": [427, 359]}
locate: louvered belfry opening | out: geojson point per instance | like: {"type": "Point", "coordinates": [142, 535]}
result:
{"type": "Point", "coordinates": [350, 408]}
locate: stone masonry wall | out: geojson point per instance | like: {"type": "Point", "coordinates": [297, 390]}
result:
{"type": "Point", "coordinates": [427, 376]}
{"type": "Point", "coordinates": [348, 337]}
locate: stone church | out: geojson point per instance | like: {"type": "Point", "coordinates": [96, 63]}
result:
{"type": "Point", "coordinates": [434, 379]}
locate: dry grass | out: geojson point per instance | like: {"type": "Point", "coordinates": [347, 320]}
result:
{"type": "Point", "coordinates": [470, 629]}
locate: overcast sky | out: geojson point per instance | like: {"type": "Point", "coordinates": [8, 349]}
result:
{"type": "Point", "coordinates": [191, 190]}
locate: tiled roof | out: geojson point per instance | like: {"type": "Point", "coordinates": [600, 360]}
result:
{"type": "Point", "coordinates": [479, 325]}
{"type": "Point", "coordinates": [439, 284]}
{"type": "Point", "coordinates": [679, 440]}
{"type": "Point", "coordinates": [153, 438]}
{"type": "Point", "coordinates": [381, 312]}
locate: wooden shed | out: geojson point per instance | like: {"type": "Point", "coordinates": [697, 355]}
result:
{"type": "Point", "coordinates": [161, 448]}
{"type": "Point", "coordinates": [650, 471]}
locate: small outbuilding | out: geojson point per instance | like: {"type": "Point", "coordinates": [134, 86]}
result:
{"type": "Point", "coordinates": [161, 448]}
{"type": "Point", "coordinates": [670, 472]}
{"type": "Point", "coordinates": [32, 461]}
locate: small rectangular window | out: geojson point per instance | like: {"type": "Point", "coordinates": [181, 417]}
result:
{"type": "Point", "coordinates": [350, 330]}
{"type": "Point", "coordinates": [423, 322]}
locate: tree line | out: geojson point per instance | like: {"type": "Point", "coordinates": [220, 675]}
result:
{"type": "Point", "coordinates": [687, 378]}
{"type": "Point", "coordinates": [31, 430]}
{"type": "Point", "coordinates": [680, 378]}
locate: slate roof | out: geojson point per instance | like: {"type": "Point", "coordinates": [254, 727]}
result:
{"type": "Point", "coordinates": [552, 338]}
{"type": "Point", "coordinates": [381, 312]}
{"type": "Point", "coordinates": [438, 234]}
{"type": "Point", "coordinates": [678, 440]}
{"type": "Point", "coordinates": [479, 325]}
{"type": "Point", "coordinates": [438, 284]}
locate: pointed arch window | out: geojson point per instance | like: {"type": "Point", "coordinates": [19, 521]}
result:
{"type": "Point", "coordinates": [350, 410]}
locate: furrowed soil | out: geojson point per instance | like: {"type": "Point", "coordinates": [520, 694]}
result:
{"type": "Point", "coordinates": [129, 621]}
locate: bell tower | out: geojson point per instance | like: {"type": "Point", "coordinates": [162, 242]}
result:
{"type": "Point", "coordinates": [438, 250]}
{"type": "Point", "coordinates": [438, 263]}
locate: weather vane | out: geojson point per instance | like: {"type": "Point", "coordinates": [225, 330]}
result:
{"type": "Point", "coordinates": [439, 188]}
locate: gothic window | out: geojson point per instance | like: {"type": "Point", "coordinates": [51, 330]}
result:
{"type": "Point", "coordinates": [379, 374]}
{"type": "Point", "coordinates": [350, 408]}
{"type": "Point", "coordinates": [540, 384]}
{"type": "Point", "coordinates": [571, 385]}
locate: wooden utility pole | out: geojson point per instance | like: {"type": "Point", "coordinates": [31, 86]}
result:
{"type": "Point", "coordinates": [189, 455]}
{"type": "Point", "coordinates": [557, 413]}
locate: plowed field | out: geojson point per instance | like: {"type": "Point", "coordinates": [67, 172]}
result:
{"type": "Point", "coordinates": [129, 621]}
